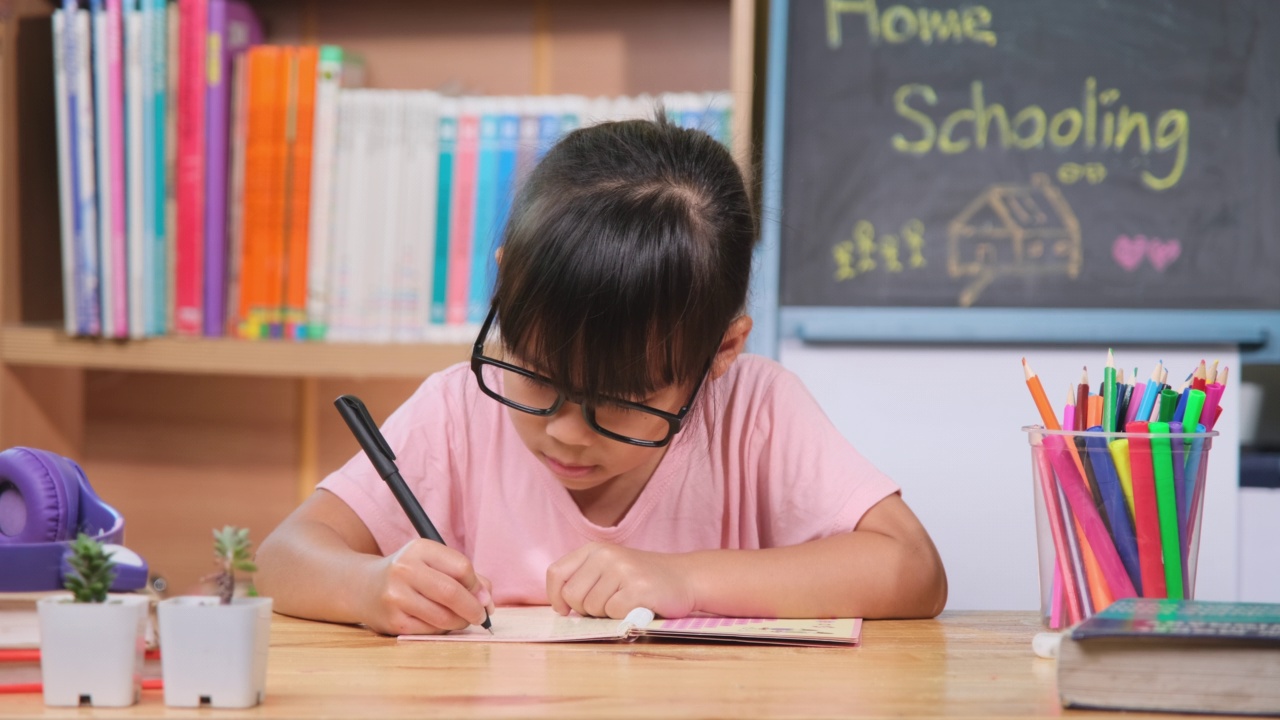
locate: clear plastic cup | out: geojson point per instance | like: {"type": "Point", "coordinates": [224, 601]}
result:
{"type": "Point", "coordinates": [1117, 515]}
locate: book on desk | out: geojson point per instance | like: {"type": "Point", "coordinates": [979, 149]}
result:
{"type": "Point", "coordinates": [1174, 656]}
{"type": "Point", "coordinates": [542, 624]}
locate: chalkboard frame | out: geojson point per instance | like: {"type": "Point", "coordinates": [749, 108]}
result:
{"type": "Point", "coordinates": [1255, 332]}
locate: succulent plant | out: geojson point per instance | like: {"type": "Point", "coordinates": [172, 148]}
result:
{"type": "Point", "coordinates": [94, 570]}
{"type": "Point", "coordinates": [231, 548]}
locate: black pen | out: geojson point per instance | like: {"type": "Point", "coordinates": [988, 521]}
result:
{"type": "Point", "coordinates": [379, 452]}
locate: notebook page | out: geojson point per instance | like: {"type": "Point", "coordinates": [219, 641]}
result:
{"type": "Point", "coordinates": [533, 624]}
{"type": "Point", "coordinates": [837, 631]}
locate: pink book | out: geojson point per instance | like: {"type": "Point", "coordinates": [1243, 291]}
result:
{"type": "Point", "coordinates": [188, 316]}
{"type": "Point", "coordinates": [115, 107]}
{"type": "Point", "coordinates": [464, 193]}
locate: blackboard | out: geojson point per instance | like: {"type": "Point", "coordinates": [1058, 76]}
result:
{"type": "Point", "coordinates": [1119, 154]}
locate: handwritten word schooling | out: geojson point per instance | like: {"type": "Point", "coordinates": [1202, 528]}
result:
{"type": "Point", "coordinates": [899, 24]}
{"type": "Point", "coordinates": [864, 253]}
{"type": "Point", "coordinates": [1031, 127]}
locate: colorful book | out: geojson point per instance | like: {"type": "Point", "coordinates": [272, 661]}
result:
{"type": "Point", "coordinates": [235, 194]}
{"type": "Point", "coordinates": [484, 211]}
{"type": "Point", "coordinates": [336, 69]}
{"type": "Point", "coordinates": [448, 140]}
{"type": "Point", "coordinates": [265, 162]}
{"type": "Point", "coordinates": [172, 73]}
{"type": "Point", "coordinates": [191, 178]}
{"type": "Point", "coordinates": [299, 132]}
{"type": "Point", "coordinates": [155, 25]}
{"type": "Point", "coordinates": [68, 214]}
{"type": "Point", "coordinates": [136, 89]}
{"type": "Point", "coordinates": [232, 29]}
{"type": "Point", "coordinates": [1174, 656]}
{"type": "Point", "coordinates": [84, 169]}
{"type": "Point", "coordinates": [462, 212]}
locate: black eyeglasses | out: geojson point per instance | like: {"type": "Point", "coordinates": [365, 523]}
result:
{"type": "Point", "coordinates": [529, 392]}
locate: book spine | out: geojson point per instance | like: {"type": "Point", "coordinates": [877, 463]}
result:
{"type": "Point", "coordinates": [382, 215]}
{"type": "Point", "coordinates": [504, 190]}
{"type": "Point", "coordinates": [299, 210]}
{"type": "Point", "coordinates": [235, 195]}
{"type": "Point", "coordinates": [116, 138]}
{"type": "Point", "coordinates": [485, 204]}
{"type": "Point", "coordinates": [448, 142]}
{"type": "Point", "coordinates": [172, 73]}
{"type": "Point", "coordinates": [319, 228]}
{"type": "Point", "coordinates": [157, 27]}
{"type": "Point", "coordinates": [463, 200]}
{"type": "Point", "coordinates": [338, 294]}
{"type": "Point", "coordinates": [85, 169]}
{"type": "Point", "coordinates": [135, 171]}
{"type": "Point", "coordinates": [232, 28]}
{"type": "Point", "coordinates": [102, 150]}
{"type": "Point", "coordinates": [68, 215]}
{"type": "Point", "coordinates": [420, 197]}
{"type": "Point", "coordinates": [215, 171]}
{"type": "Point", "coordinates": [189, 263]}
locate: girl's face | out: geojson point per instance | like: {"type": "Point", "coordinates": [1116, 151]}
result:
{"type": "Point", "coordinates": [583, 459]}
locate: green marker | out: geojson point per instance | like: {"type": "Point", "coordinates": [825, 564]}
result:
{"type": "Point", "coordinates": [1167, 506]}
{"type": "Point", "coordinates": [1168, 404]}
{"type": "Point", "coordinates": [1191, 414]}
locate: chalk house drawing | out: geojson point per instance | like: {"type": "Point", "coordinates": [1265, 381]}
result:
{"type": "Point", "coordinates": [1013, 229]}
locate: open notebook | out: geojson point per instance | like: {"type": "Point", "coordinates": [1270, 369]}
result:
{"type": "Point", "coordinates": [542, 624]}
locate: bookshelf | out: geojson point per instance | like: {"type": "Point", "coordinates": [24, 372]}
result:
{"type": "Point", "coordinates": [185, 434]}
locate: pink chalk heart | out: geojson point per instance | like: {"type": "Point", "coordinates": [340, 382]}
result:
{"type": "Point", "coordinates": [1162, 253]}
{"type": "Point", "coordinates": [1129, 252]}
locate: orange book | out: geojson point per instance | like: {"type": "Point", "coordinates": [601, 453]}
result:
{"type": "Point", "coordinates": [263, 186]}
{"type": "Point", "coordinates": [299, 124]}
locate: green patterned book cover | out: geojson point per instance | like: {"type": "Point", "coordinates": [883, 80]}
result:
{"type": "Point", "coordinates": [1184, 619]}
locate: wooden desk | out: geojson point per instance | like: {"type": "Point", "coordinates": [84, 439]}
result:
{"type": "Point", "coordinates": [963, 664]}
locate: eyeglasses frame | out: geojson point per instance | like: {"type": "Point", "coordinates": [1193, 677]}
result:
{"type": "Point", "coordinates": [675, 421]}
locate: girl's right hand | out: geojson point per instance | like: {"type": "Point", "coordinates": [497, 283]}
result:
{"type": "Point", "coordinates": [425, 588]}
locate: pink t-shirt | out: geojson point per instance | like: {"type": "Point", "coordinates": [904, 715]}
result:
{"type": "Point", "coordinates": [757, 465]}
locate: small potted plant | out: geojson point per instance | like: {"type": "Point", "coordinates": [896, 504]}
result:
{"type": "Point", "coordinates": [92, 642]}
{"type": "Point", "coordinates": [213, 648]}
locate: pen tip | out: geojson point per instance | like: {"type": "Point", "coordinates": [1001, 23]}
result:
{"type": "Point", "coordinates": [487, 624]}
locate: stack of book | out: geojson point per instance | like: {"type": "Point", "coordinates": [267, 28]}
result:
{"type": "Point", "coordinates": [212, 185]}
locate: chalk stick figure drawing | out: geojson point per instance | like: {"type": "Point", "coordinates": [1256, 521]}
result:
{"type": "Point", "coordinates": [1013, 229]}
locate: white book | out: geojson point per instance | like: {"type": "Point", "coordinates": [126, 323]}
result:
{"type": "Point", "coordinates": [335, 70]}
{"type": "Point", "coordinates": [103, 145]}
{"type": "Point", "coordinates": [382, 215]}
{"type": "Point", "coordinates": [418, 211]}
{"type": "Point", "coordinates": [135, 166]}
{"type": "Point", "coordinates": [66, 189]}
{"type": "Point", "coordinates": [86, 171]}
{"type": "Point", "coordinates": [351, 158]}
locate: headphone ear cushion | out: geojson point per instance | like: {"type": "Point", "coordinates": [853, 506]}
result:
{"type": "Point", "coordinates": [47, 490]}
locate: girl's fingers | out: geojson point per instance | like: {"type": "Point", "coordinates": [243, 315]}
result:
{"type": "Point", "coordinates": [596, 601]}
{"type": "Point", "coordinates": [560, 572]}
{"type": "Point", "coordinates": [447, 592]}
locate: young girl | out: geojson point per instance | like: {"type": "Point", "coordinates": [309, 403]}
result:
{"type": "Point", "coordinates": [612, 449]}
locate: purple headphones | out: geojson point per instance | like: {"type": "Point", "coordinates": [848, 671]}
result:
{"type": "Point", "coordinates": [45, 500]}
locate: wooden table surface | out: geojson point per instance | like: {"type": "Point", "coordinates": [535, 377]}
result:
{"type": "Point", "coordinates": [963, 664]}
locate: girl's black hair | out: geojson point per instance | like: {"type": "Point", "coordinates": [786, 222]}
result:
{"type": "Point", "coordinates": [626, 256]}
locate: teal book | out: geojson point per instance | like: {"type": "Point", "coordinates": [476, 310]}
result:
{"type": "Point", "coordinates": [1174, 656]}
{"type": "Point", "coordinates": [440, 266]}
{"type": "Point", "coordinates": [485, 205]}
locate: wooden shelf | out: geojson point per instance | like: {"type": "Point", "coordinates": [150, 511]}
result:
{"type": "Point", "coordinates": [48, 346]}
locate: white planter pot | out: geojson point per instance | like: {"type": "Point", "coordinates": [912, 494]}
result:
{"type": "Point", "coordinates": [212, 653]}
{"type": "Point", "coordinates": [92, 651]}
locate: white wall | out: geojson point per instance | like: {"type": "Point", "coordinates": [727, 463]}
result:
{"type": "Point", "coordinates": [945, 422]}
{"type": "Point", "coordinates": [1260, 544]}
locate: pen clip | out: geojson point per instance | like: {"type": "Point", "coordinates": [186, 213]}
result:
{"type": "Point", "coordinates": [359, 413]}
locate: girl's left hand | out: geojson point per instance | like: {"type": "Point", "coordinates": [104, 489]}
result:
{"type": "Point", "coordinates": [601, 580]}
